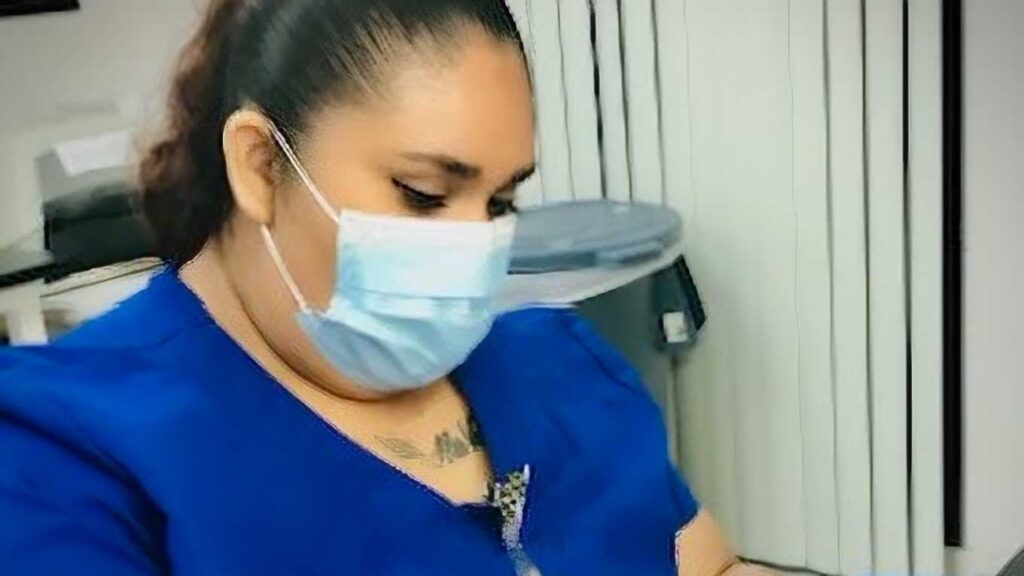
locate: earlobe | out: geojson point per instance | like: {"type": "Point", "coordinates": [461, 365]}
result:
{"type": "Point", "coordinates": [248, 156]}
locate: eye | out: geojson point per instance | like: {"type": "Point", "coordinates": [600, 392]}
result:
{"type": "Point", "coordinates": [498, 207]}
{"type": "Point", "coordinates": [418, 200]}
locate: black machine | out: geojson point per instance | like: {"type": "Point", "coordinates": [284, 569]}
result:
{"type": "Point", "coordinates": [94, 228]}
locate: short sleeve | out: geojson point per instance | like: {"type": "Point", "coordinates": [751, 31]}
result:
{"type": "Point", "coordinates": [620, 370]}
{"type": "Point", "coordinates": [63, 508]}
{"type": "Point", "coordinates": [686, 504]}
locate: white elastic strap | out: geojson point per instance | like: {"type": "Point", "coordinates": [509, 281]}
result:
{"type": "Point", "coordinates": [303, 175]}
{"type": "Point", "coordinates": [275, 255]}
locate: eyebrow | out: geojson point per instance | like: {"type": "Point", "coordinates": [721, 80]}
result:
{"type": "Point", "coordinates": [452, 166]}
{"type": "Point", "coordinates": [464, 171]}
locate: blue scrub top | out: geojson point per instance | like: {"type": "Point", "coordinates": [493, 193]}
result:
{"type": "Point", "coordinates": [147, 442]}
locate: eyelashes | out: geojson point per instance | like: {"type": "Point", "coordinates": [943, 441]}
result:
{"type": "Point", "coordinates": [426, 203]}
{"type": "Point", "coordinates": [418, 200]}
{"type": "Point", "coordinates": [498, 207]}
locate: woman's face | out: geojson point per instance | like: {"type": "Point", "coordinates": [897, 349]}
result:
{"type": "Point", "coordinates": [448, 137]}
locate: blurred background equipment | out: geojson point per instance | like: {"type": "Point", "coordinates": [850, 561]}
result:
{"type": "Point", "coordinates": [622, 265]}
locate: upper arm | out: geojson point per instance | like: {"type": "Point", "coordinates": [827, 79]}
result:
{"type": "Point", "coordinates": [63, 509]}
{"type": "Point", "coordinates": [701, 550]}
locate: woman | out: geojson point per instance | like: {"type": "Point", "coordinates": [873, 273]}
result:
{"type": "Point", "coordinates": [308, 388]}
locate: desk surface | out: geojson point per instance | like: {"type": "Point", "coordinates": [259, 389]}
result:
{"type": "Point", "coordinates": [19, 267]}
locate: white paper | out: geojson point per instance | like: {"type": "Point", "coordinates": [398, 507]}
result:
{"type": "Point", "coordinates": [100, 152]}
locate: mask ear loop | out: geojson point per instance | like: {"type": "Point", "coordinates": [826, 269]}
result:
{"type": "Point", "coordinates": [268, 238]}
{"type": "Point", "coordinates": [275, 255]}
{"type": "Point", "coordinates": [303, 175]}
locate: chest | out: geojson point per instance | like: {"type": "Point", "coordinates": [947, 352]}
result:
{"type": "Point", "coordinates": [309, 503]}
{"type": "Point", "coordinates": [282, 491]}
{"type": "Point", "coordinates": [436, 442]}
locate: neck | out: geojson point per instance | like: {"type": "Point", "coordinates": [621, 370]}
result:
{"type": "Point", "coordinates": [209, 278]}
{"type": "Point", "coordinates": [331, 397]}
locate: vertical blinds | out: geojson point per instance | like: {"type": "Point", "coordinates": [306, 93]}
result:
{"type": "Point", "coordinates": [776, 128]}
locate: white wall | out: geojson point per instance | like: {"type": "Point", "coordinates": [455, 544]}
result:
{"type": "Point", "coordinates": [108, 53]}
{"type": "Point", "coordinates": [69, 74]}
{"type": "Point", "coordinates": [994, 269]}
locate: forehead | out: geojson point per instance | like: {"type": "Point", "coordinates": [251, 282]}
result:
{"type": "Point", "coordinates": [474, 104]}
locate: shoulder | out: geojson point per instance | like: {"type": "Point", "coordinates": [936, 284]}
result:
{"type": "Point", "coordinates": [572, 406]}
{"type": "Point", "coordinates": [113, 371]}
{"type": "Point", "coordinates": [158, 313]}
{"type": "Point", "coordinates": [556, 342]}
{"type": "Point", "coordinates": [550, 367]}
{"type": "Point", "coordinates": [114, 385]}
{"type": "Point", "coordinates": [57, 481]}
{"type": "Point", "coordinates": [79, 422]}
{"type": "Point", "coordinates": [63, 392]}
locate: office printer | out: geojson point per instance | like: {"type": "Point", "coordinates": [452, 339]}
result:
{"type": "Point", "coordinates": [91, 218]}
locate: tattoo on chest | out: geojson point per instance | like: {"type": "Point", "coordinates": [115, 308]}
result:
{"type": "Point", "coordinates": [449, 446]}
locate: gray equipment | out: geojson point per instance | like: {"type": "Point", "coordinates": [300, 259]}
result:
{"type": "Point", "coordinates": [91, 219]}
{"type": "Point", "coordinates": [647, 318]}
{"type": "Point", "coordinates": [574, 235]}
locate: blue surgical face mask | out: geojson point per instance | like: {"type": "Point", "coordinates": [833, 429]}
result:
{"type": "Point", "coordinates": [412, 297]}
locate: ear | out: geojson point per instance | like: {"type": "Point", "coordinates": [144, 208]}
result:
{"type": "Point", "coordinates": [249, 156]}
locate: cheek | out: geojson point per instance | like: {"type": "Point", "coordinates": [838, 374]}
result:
{"type": "Point", "coordinates": [306, 238]}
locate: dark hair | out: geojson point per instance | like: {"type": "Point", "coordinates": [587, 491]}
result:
{"type": "Point", "coordinates": [288, 58]}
